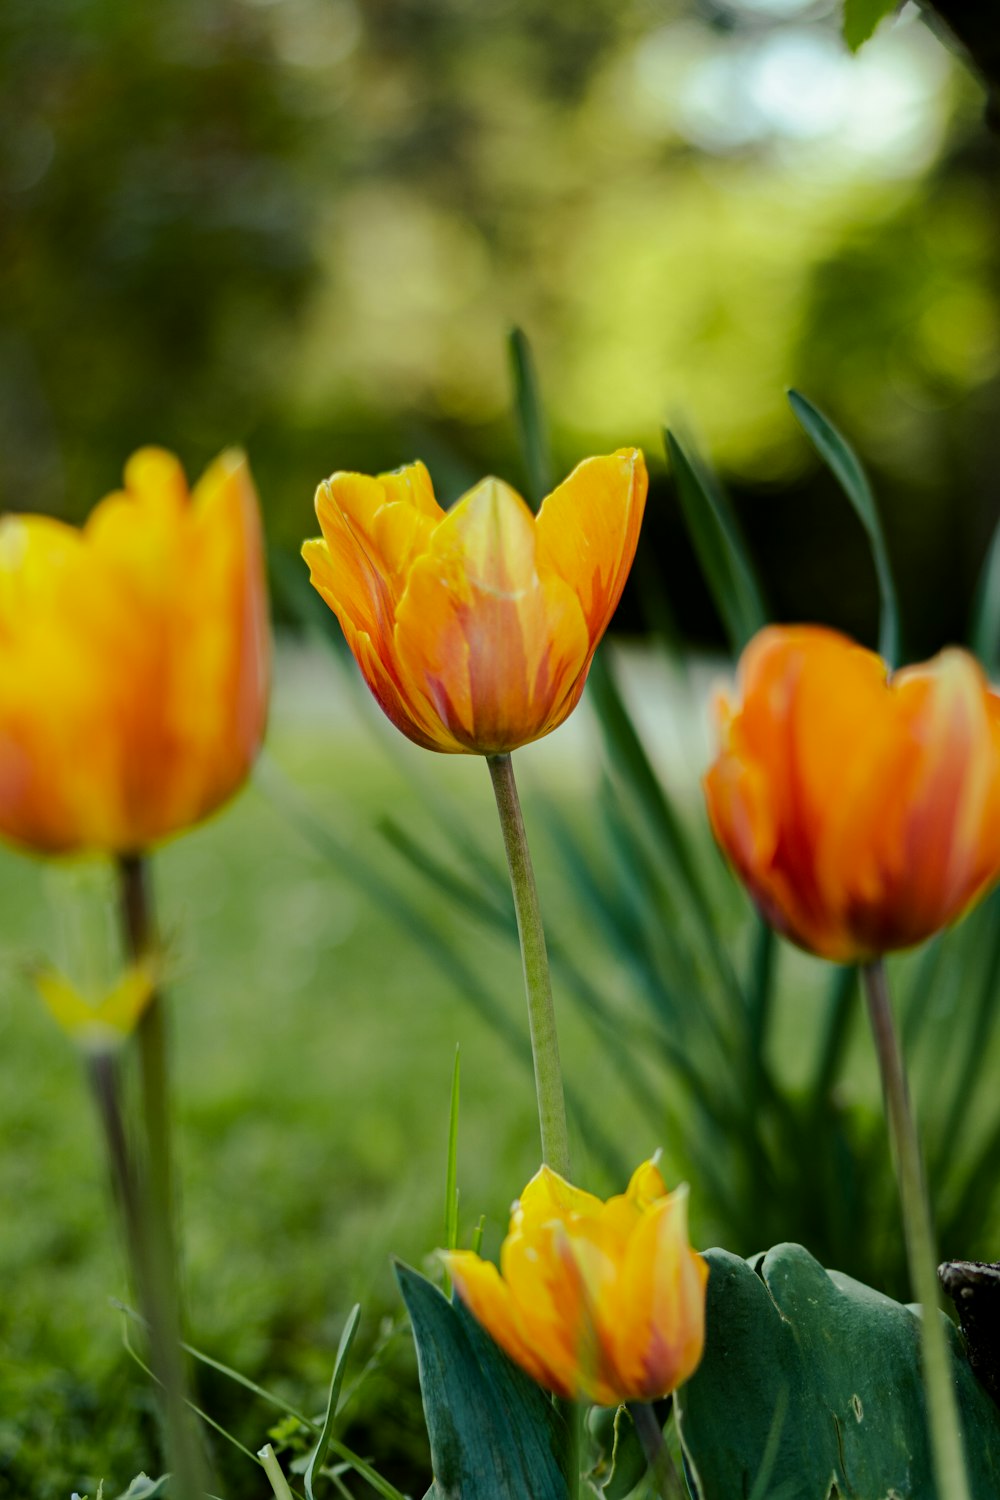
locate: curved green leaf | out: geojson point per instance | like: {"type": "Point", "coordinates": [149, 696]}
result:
{"type": "Point", "coordinates": [844, 1363]}
{"type": "Point", "coordinates": [846, 468]}
{"type": "Point", "coordinates": [984, 627]}
{"type": "Point", "coordinates": [720, 547]}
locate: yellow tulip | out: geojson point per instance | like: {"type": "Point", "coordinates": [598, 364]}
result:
{"type": "Point", "coordinates": [133, 660]}
{"type": "Point", "coordinates": [603, 1302]}
{"type": "Point", "coordinates": [475, 628]}
{"type": "Point", "coordinates": [860, 808]}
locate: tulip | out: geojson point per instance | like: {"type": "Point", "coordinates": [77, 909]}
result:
{"type": "Point", "coordinates": [597, 1301]}
{"type": "Point", "coordinates": [860, 808]}
{"type": "Point", "coordinates": [133, 660]}
{"type": "Point", "coordinates": [475, 627]}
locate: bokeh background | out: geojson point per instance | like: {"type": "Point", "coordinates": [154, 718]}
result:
{"type": "Point", "coordinates": [306, 226]}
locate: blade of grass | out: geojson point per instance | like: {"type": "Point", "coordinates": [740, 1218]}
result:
{"type": "Point", "coordinates": [451, 1176]}
{"type": "Point", "coordinates": [336, 1380]}
{"type": "Point", "coordinates": [843, 462]}
{"type": "Point", "coordinates": [720, 548]}
{"type": "Point", "coordinates": [530, 417]}
{"type": "Point", "coordinates": [984, 625]}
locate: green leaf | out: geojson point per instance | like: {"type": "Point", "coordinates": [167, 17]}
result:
{"type": "Point", "coordinates": [861, 17]}
{"type": "Point", "coordinates": [144, 1488]}
{"type": "Point", "coordinates": [845, 1363]}
{"type": "Point", "coordinates": [720, 547]}
{"type": "Point", "coordinates": [493, 1432]}
{"type": "Point", "coordinates": [530, 417]}
{"type": "Point", "coordinates": [451, 1178]}
{"type": "Point", "coordinates": [984, 627]}
{"type": "Point", "coordinates": [621, 1462]}
{"type": "Point", "coordinates": [846, 468]}
{"type": "Point", "coordinates": [336, 1381]}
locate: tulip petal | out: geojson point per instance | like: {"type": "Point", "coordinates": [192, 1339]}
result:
{"type": "Point", "coordinates": [659, 1327]}
{"type": "Point", "coordinates": [133, 684]}
{"type": "Point", "coordinates": [588, 530]}
{"type": "Point", "coordinates": [496, 650]}
{"type": "Point", "coordinates": [489, 1299]}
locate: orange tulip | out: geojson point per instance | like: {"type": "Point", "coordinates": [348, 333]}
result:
{"type": "Point", "coordinates": [475, 628]}
{"type": "Point", "coordinates": [603, 1302]}
{"type": "Point", "coordinates": [133, 660]}
{"type": "Point", "coordinates": [861, 809]}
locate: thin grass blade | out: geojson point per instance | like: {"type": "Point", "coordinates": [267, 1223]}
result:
{"type": "Point", "coordinates": [336, 1381]}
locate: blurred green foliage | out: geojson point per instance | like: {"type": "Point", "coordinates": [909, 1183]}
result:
{"type": "Point", "coordinates": [305, 225]}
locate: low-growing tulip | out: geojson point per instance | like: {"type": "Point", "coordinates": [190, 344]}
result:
{"type": "Point", "coordinates": [598, 1301]}
{"type": "Point", "coordinates": [861, 808]}
{"type": "Point", "coordinates": [475, 627]}
{"type": "Point", "coordinates": [133, 660]}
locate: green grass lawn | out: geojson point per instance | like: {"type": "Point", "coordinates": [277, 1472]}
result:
{"type": "Point", "coordinates": [313, 1050]}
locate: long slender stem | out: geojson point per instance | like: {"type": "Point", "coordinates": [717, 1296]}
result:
{"type": "Point", "coordinates": [102, 1068]}
{"type": "Point", "coordinates": [537, 982]}
{"type": "Point", "coordinates": [661, 1465]}
{"type": "Point", "coordinates": [945, 1427]}
{"type": "Point", "coordinates": [162, 1298]}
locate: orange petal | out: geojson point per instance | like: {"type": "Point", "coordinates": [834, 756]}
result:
{"type": "Point", "coordinates": [490, 1301]}
{"type": "Point", "coordinates": [588, 530]}
{"type": "Point", "coordinates": [497, 651]}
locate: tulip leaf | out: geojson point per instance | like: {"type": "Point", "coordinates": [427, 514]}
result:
{"type": "Point", "coordinates": [493, 1432]}
{"type": "Point", "coordinates": [811, 1386]}
{"type": "Point", "coordinates": [984, 627]}
{"type": "Point", "coordinates": [530, 417]}
{"type": "Point", "coordinates": [846, 468]}
{"type": "Point", "coordinates": [720, 547]}
{"type": "Point", "coordinates": [621, 1462]}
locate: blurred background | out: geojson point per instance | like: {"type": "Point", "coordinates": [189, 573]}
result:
{"type": "Point", "coordinates": [306, 226]}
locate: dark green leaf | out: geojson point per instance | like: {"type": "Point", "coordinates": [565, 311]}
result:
{"type": "Point", "coordinates": [493, 1432]}
{"type": "Point", "coordinates": [720, 547]}
{"type": "Point", "coordinates": [846, 1362]}
{"type": "Point", "coordinates": [844, 464]}
{"type": "Point", "coordinates": [530, 417]}
{"type": "Point", "coordinates": [984, 627]}
{"type": "Point", "coordinates": [861, 17]}
{"type": "Point", "coordinates": [621, 1461]}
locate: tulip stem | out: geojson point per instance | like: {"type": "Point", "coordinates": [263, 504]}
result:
{"type": "Point", "coordinates": [939, 1385]}
{"type": "Point", "coordinates": [537, 981]}
{"type": "Point", "coordinates": [157, 1253]}
{"type": "Point", "coordinates": [661, 1465]}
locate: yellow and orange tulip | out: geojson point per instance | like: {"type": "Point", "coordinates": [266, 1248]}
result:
{"type": "Point", "coordinates": [603, 1302]}
{"type": "Point", "coordinates": [475, 628]}
{"type": "Point", "coordinates": [860, 808]}
{"type": "Point", "coordinates": [133, 660]}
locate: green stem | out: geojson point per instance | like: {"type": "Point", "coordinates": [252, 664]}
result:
{"type": "Point", "coordinates": [939, 1387]}
{"type": "Point", "coordinates": [537, 983]}
{"type": "Point", "coordinates": [661, 1465]}
{"type": "Point", "coordinates": [158, 1247]}
{"type": "Point", "coordinates": [102, 1068]}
